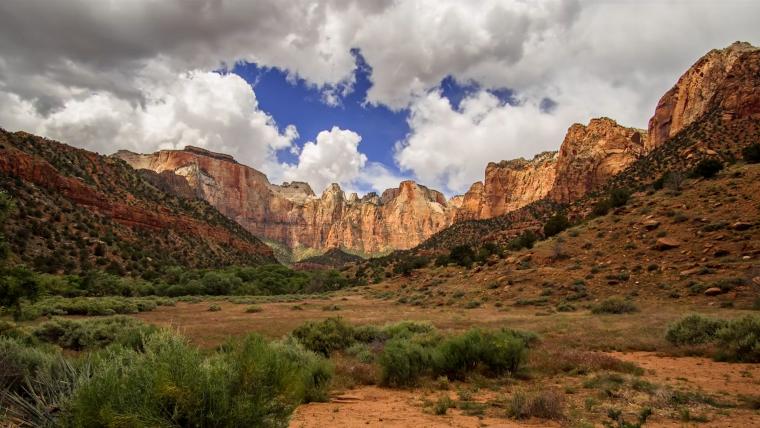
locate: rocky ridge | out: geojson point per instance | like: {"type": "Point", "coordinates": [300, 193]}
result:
{"type": "Point", "coordinates": [293, 215]}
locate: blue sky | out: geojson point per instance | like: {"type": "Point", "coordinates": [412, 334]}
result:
{"type": "Point", "coordinates": [294, 101]}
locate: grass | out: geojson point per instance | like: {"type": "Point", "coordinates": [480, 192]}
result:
{"type": "Point", "coordinates": [548, 404]}
{"type": "Point", "coordinates": [166, 382]}
{"type": "Point", "coordinates": [616, 306]}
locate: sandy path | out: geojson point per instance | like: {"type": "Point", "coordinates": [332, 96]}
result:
{"type": "Point", "coordinates": [700, 373]}
{"type": "Point", "coordinates": [371, 406]}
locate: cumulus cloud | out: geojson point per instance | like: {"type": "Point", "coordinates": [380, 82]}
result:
{"type": "Point", "coordinates": [205, 109]}
{"type": "Point", "coordinates": [333, 158]}
{"type": "Point", "coordinates": [137, 74]}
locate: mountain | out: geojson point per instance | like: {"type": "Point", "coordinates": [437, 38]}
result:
{"type": "Point", "coordinates": [589, 156]}
{"type": "Point", "coordinates": [594, 159]}
{"type": "Point", "coordinates": [291, 214]}
{"type": "Point", "coordinates": [76, 209]}
{"type": "Point", "coordinates": [723, 79]}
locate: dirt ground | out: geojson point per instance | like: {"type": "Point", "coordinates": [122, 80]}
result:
{"type": "Point", "coordinates": [371, 406]}
{"type": "Point", "coordinates": [623, 336]}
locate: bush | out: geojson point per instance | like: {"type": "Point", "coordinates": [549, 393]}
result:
{"type": "Point", "coordinates": [496, 352]}
{"type": "Point", "coordinates": [442, 405]}
{"type": "Point", "coordinates": [462, 255]}
{"type": "Point", "coordinates": [19, 363]}
{"type": "Point", "coordinates": [403, 362]}
{"type": "Point", "coordinates": [707, 168]}
{"type": "Point", "coordinates": [736, 340]}
{"type": "Point", "coordinates": [547, 404]}
{"type": "Point", "coordinates": [253, 309]}
{"type": "Point", "coordinates": [556, 224]}
{"type": "Point", "coordinates": [615, 305]}
{"type": "Point", "coordinates": [325, 337]}
{"type": "Point", "coordinates": [693, 330]}
{"type": "Point", "coordinates": [253, 383]}
{"type": "Point", "coordinates": [97, 333]}
{"type": "Point", "coordinates": [739, 340]}
{"type": "Point", "coordinates": [214, 308]}
{"type": "Point", "coordinates": [619, 197]}
{"type": "Point", "coordinates": [751, 153]}
{"type": "Point", "coordinates": [525, 240]}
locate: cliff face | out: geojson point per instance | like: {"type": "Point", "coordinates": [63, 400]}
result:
{"type": "Point", "coordinates": [723, 78]}
{"type": "Point", "coordinates": [508, 186]}
{"type": "Point", "coordinates": [589, 156]}
{"type": "Point", "coordinates": [293, 215]}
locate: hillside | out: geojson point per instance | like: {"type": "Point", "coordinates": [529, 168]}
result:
{"type": "Point", "coordinates": [724, 120]}
{"type": "Point", "coordinates": [699, 242]}
{"type": "Point", "coordinates": [76, 210]}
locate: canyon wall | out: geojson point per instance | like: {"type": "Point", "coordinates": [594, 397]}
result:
{"type": "Point", "coordinates": [293, 215]}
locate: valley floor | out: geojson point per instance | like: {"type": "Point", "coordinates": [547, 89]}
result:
{"type": "Point", "coordinates": [712, 393]}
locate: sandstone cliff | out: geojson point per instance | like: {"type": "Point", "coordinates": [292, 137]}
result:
{"type": "Point", "coordinates": [508, 186]}
{"type": "Point", "coordinates": [726, 79]}
{"type": "Point", "coordinates": [293, 215]}
{"type": "Point", "coordinates": [589, 156]}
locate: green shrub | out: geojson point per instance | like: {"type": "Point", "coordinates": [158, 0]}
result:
{"type": "Point", "coordinates": [20, 362]}
{"type": "Point", "coordinates": [442, 405]}
{"type": "Point", "coordinates": [462, 255]}
{"type": "Point", "coordinates": [615, 305]}
{"type": "Point", "coordinates": [87, 334]}
{"type": "Point", "coordinates": [707, 168]}
{"type": "Point", "coordinates": [214, 308]}
{"type": "Point", "coordinates": [693, 330]}
{"type": "Point", "coordinates": [556, 224]}
{"type": "Point", "coordinates": [403, 362]}
{"type": "Point", "coordinates": [496, 352]}
{"type": "Point", "coordinates": [252, 383]}
{"type": "Point", "coordinates": [739, 340]}
{"type": "Point", "coordinates": [254, 309]}
{"type": "Point", "coordinates": [619, 197]}
{"type": "Point", "coordinates": [525, 240]}
{"type": "Point", "coordinates": [547, 404]}
{"type": "Point", "coordinates": [751, 153]}
{"type": "Point", "coordinates": [325, 337]}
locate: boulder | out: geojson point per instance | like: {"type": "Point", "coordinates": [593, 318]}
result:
{"type": "Point", "coordinates": [713, 291]}
{"type": "Point", "coordinates": [741, 225]}
{"type": "Point", "coordinates": [651, 224]}
{"type": "Point", "coordinates": [663, 244]}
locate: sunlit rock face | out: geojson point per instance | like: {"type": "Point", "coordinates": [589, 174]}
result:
{"type": "Point", "coordinates": [725, 79]}
{"type": "Point", "coordinates": [292, 214]}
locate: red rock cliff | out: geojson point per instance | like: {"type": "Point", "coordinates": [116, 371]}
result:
{"type": "Point", "coordinates": [293, 215]}
{"type": "Point", "coordinates": [723, 78]}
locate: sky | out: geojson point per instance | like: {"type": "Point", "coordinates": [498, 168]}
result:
{"type": "Point", "coordinates": [365, 94]}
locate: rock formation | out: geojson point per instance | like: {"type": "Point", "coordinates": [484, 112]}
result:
{"type": "Point", "coordinates": [293, 215]}
{"type": "Point", "coordinates": [589, 156]}
{"type": "Point", "coordinates": [508, 186]}
{"type": "Point", "coordinates": [723, 78]}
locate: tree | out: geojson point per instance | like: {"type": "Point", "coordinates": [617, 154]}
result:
{"type": "Point", "coordinates": [751, 153]}
{"type": "Point", "coordinates": [15, 283]}
{"type": "Point", "coordinates": [556, 224]}
{"type": "Point", "coordinates": [707, 168]}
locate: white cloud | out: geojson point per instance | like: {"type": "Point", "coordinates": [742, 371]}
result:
{"type": "Point", "coordinates": [333, 158]}
{"type": "Point", "coordinates": [109, 75]}
{"type": "Point", "coordinates": [205, 109]}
